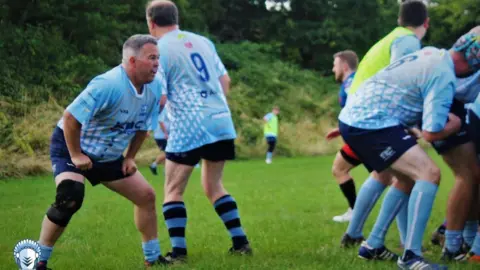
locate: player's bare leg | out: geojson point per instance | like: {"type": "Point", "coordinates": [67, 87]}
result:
{"type": "Point", "coordinates": [462, 161]}
{"type": "Point", "coordinates": [69, 198]}
{"type": "Point", "coordinates": [341, 172]}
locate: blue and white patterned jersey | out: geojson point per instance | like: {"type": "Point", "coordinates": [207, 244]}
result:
{"type": "Point", "coordinates": [111, 111]}
{"type": "Point", "coordinates": [468, 88]}
{"type": "Point", "coordinates": [404, 45]}
{"type": "Point", "coordinates": [197, 107]}
{"type": "Point", "coordinates": [417, 87]}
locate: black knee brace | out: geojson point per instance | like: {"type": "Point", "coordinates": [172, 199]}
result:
{"type": "Point", "coordinates": [68, 200]}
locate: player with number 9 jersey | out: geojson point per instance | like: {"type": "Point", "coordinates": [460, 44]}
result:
{"type": "Point", "coordinates": [197, 106]}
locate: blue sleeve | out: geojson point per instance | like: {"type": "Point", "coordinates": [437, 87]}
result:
{"type": "Point", "coordinates": [403, 46]}
{"type": "Point", "coordinates": [342, 97]}
{"type": "Point", "coordinates": [96, 97]}
{"type": "Point", "coordinates": [219, 67]}
{"type": "Point", "coordinates": [438, 97]}
{"type": "Point", "coordinates": [268, 116]}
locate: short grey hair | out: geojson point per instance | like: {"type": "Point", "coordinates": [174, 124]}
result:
{"type": "Point", "coordinates": [134, 44]}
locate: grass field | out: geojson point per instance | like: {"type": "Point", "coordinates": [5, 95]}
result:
{"type": "Point", "coordinates": [286, 210]}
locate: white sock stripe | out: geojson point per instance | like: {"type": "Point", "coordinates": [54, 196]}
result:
{"type": "Point", "coordinates": [410, 230]}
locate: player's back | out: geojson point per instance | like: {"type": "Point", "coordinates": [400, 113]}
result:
{"type": "Point", "coordinates": [192, 69]}
{"type": "Point", "coordinates": [197, 107]}
{"type": "Point", "coordinates": [396, 94]}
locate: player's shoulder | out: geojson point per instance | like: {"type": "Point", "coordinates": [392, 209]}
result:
{"type": "Point", "coordinates": [410, 39]}
{"type": "Point", "coordinates": [109, 80]}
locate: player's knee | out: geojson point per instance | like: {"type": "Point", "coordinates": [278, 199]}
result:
{"type": "Point", "coordinates": [338, 171]}
{"type": "Point", "coordinates": [212, 190]}
{"type": "Point", "coordinates": [432, 174]}
{"type": "Point", "coordinates": [68, 200]}
{"type": "Point", "coordinates": [147, 198]}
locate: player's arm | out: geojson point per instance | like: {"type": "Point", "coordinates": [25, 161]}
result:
{"type": "Point", "coordinates": [225, 83]}
{"type": "Point", "coordinates": [403, 46]}
{"type": "Point", "coordinates": [92, 100]}
{"type": "Point", "coordinates": [71, 130]}
{"type": "Point", "coordinates": [437, 122]}
{"type": "Point", "coordinates": [164, 129]}
{"type": "Point", "coordinates": [224, 78]}
{"type": "Point", "coordinates": [135, 144]}
{"type": "Point", "coordinates": [267, 117]}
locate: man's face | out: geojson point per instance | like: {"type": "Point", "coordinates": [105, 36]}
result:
{"type": "Point", "coordinates": [337, 69]}
{"type": "Point", "coordinates": [276, 111]}
{"type": "Point", "coordinates": [146, 63]}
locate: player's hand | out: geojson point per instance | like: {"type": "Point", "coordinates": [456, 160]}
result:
{"type": "Point", "coordinates": [166, 136]}
{"type": "Point", "coordinates": [82, 162]}
{"type": "Point", "coordinates": [333, 134]}
{"type": "Point", "coordinates": [455, 122]}
{"type": "Point", "coordinates": [415, 132]}
{"type": "Point", "coordinates": [129, 167]}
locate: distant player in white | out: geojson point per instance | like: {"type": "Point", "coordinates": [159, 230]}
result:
{"type": "Point", "coordinates": [110, 116]}
{"type": "Point", "coordinates": [201, 125]}
{"type": "Point", "coordinates": [417, 87]}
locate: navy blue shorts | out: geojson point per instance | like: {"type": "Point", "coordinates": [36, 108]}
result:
{"type": "Point", "coordinates": [217, 151]}
{"type": "Point", "coordinates": [272, 142]}
{"type": "Point", "coordinates": [161, 143]}
{"type": "Point", "coordinates": [459, 138]}
{"type": "Point", "coordinates": [61, 162]}
{"type": "Point", "coordinates": [377, 149]}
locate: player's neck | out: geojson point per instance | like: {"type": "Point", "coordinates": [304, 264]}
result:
{"type": "Point", "coordinates": [159, 32]}
{"type": "Point", "coordinates": [418, 31]}
{"type": "Point", "coordinates": [346, 75]}
{"type": "Point", "coordinates": [131, 76]}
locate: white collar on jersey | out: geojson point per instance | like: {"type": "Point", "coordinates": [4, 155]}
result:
{"type": "Point", "coordinates": [135, 90]}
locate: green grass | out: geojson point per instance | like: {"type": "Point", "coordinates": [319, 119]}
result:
{"type": "Point", "coordinates": [286, 210]}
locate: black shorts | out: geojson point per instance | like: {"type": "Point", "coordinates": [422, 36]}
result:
{"type": "Point", "coordinates": [473, 128]}
{"type": "Point", "coordinates": [161, 143]}
{"type": "Point", "coordinates": [459, 138]}
{"type": "Point", "coordinates": [217, 151]}
{"type": "Point", "coordinates": [377, 149]}
{"type": "Point", "coordinates": [61, 162]}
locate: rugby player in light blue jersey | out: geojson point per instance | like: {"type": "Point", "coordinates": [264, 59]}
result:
{"type": "Point", "coordinates": [110, 116]}
{"type": "Point", "coordinates": [414, 22]}
{"type": "Point", "coordinates": [417, 87]}
{"type": "Point", "coordinates": [201, 125]}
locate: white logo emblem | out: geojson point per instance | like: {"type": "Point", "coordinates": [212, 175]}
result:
{"type": "Point", "coordinates": [26, 254]}
{"type": "Point", "coordinates": [387, 153]}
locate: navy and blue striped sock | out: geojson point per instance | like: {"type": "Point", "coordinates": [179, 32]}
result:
{"type": "Point", "coordinates": [226, 208]}
{"type": "Point", "coordinates": [175, 216]}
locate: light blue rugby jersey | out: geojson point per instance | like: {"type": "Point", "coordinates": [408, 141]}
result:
{"type": "Point", "coordinates": [468, 88]}
{"type": "Point", "coordinates": [197, 108]}
{"type": "Point", "coordinates": [417, 87]}
{"type": "Point", "coordinates": [404, 45]}
{"type": "Point", "coordinates": [158, 132]}
{"type": "Point", "coordinates": [111, 111]}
